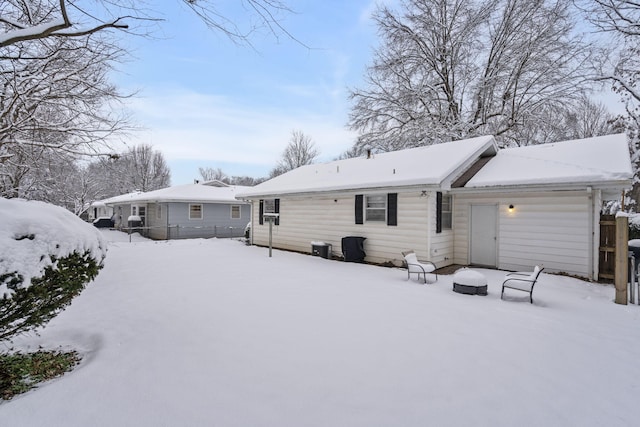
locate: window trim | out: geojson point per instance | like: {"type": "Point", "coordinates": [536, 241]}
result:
{"type": "Point", "coordinates": [201, 211]}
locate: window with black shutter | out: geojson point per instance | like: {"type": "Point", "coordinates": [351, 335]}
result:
{"type": "Point", "coordinates": [359, 209]}
{"type": "Point", "coordinates": [269, 206]}
{"type": "Point", "coordinates": [377, 208]}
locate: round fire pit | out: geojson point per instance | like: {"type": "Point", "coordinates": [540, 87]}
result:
{"type": "Point", "coordinates": [469, 282]}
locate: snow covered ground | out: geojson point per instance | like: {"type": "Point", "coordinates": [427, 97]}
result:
{"type": "Point", "coordinates": [216, 333]}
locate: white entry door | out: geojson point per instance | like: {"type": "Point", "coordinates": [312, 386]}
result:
{"type": "Point", "coordinates": [484, 236]}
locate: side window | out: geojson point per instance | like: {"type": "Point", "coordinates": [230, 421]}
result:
{"type": "Point", "coordinates": [376, 207]}
{"type": "Point", "coordinates": [195, 211]}
{"type": "Point", "coordinates": [158, 211]}
{"type": "Point", "coordinates": [443, 212]}
{"type": "Point", "coordinates": [269, 206]}
{"type": "Point", "coordinates": [446, 212]}
{"type": "Point", "coordinates": [235, 211]}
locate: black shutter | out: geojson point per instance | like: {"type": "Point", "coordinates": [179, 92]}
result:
{"type": "Point", "coordinates": [359, 209]}
{"type": "Point", "coordinates": [276, 203]}
{"type": "Point", "coordinates": [392, 209]}
{"type": "Point", "coordinates": [439, 212]}
{"type": "Point", "coordinates": [261, 212]}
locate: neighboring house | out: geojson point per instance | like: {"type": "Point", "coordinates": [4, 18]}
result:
{"type": "Point", "coordinates": [462, 202]}
{"type": "Point", "coordinates": [98, 210]}
{"type": "Point", "coordinates": [208, 209]}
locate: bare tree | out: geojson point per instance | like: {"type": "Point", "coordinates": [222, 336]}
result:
{"type": "Point", "coordinates": [56, 94]}
{"type": "Point", "coordinates": [211, 174]}
{"type": "Point", "coordinates": [619, 64]}
{"type": "Point", "coordinates": [245, 180]}
{"type": "Point", "coordinates": [619, 61]}
{"type": "Point", "coordinates": [582, 118]}
{"type": "Point", "coordinates": [299, 152]}
{"type": "Point", "coordinates": [448, 69]}
{"type": "Point", "coordinates": [28, 20]}
{"type": "Point", "coordinates": [144, 169]}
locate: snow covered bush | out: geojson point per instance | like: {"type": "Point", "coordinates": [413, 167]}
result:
{"type": "Point", "coordinates": [47, 257]}
{"type": "Point", "coordinates": [634, 226]}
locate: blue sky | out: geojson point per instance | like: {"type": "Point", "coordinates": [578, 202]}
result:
{"type": "Point", "coordinates": [204, 101]}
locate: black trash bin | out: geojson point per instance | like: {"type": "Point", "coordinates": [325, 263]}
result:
{"type": "Point", "coordinates": [634, 252]}
{"type": "Point", "coordinates": [353, 248]}
{"type": "Point", "coordinates": [321, 249]}
{"type": "Point", "coordinates": [135, 224]}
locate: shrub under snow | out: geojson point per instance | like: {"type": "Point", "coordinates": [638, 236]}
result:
{"type": "Point", "coordinates": [47, 257]}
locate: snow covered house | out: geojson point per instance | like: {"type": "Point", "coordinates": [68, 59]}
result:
{"type": "Point", "coordinates": [463, 202]}
{"type": "Point", "coordinates": [208, 209]}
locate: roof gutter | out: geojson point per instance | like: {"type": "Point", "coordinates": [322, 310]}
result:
{"type": "Point", "coordinates": [588, 186]}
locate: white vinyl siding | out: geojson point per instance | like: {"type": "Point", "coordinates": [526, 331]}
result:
{"type": "Point", "coordinates": [550, 229]}
{"type": "Point", "coordinates": [330, 218]}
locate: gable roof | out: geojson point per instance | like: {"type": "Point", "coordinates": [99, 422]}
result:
{"type": "Point", "coordinates": [600, 162]}
{"type": "Point", "coordinates": [195, 193]}
{"type": "Point", "coordinates": [426, 166]}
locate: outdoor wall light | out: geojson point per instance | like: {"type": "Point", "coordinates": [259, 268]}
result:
{"type": "Point", "coordinates": [511, 207]}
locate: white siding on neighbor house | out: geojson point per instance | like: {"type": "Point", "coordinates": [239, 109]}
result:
{"type": "Point", "coordinates": [554, 229]}
{"type": "Point", "coordinates": [329, 218]}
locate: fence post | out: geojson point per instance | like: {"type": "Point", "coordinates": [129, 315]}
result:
{"type": "Point", "coordinates": [622, 258]}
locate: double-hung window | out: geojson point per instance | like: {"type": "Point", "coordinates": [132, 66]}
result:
{"type": "Point", "coordinates": [235, 211]}
{"type": "Point", "coordinates": [195, 211]}
{"type": "Point", "coordinates": [444, 212]}
{"type": "Point", "coordinates": [269, 206]}
{"type": "Point", "coordinates": [376, 207]}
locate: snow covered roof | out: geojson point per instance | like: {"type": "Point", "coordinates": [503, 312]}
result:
{"type": "Point", "coordinates": [429, 165]}
{"type": "Point", "coordinates": [599, 161]}
{"type": "Point", "coordinates": [202, 193]}
{"type": "Point", "coordinates": [123, 198]}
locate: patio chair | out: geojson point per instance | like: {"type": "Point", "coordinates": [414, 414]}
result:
{"type": "Point", "coordinates": [417, 267]}
{"type": "Point", "coordinates": [522, 281]}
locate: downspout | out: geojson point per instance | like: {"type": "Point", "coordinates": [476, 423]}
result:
{"type": "Point", "coordinates": [595, 196]}
{"type": "Point", "coordinates": [427, 198]}
{"type": "Point", "coordinates": [167, 215]}
{"type": "Point", "coordinates": [253, 224]}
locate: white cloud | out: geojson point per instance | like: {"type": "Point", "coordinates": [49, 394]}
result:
{"type": "Point", "coordinates": [185, 125]}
